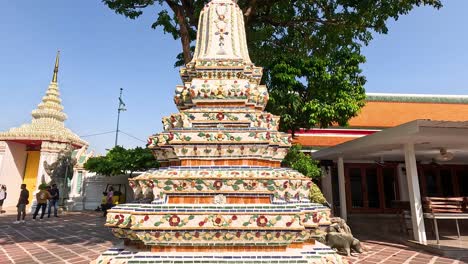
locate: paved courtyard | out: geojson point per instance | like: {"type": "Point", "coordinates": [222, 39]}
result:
{"type": "Point", "coordinates": [81, 237]}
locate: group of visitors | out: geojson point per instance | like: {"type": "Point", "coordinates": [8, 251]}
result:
{"type": "Point", "coordinates": [48, 196]}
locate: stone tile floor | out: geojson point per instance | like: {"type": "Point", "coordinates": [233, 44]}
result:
{"type": "Point", "coordinates": [71, 238]}
{"type": "Point", "coordinates": [79, 237]}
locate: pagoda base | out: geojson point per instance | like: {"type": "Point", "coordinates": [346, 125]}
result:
{"type": "Point", "coordinates": [317, 253]}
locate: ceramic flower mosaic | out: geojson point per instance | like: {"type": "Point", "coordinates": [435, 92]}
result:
{"type": "Point", "coordinates": [220, 190]}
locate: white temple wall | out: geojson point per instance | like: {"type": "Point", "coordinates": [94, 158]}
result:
{"type": "Point", "coordinates": [76, 195]}
{"type": "Point", "coordinates": [12, 165]}
{"type": "Point", "coordinates": [94, 185]}
{"type": "Point", "coordinates": [2, 154]}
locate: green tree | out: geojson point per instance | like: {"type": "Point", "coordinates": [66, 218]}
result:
{"type": "Point", "coordinates": [310, 50]}
{"type": "Point", "coordinates": [120, 161]}
{"type": "Point", "coordinates": [301, 162]}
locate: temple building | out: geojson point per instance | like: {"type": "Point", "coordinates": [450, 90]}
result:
{"type": "Point", "coordinates": [401, 147]}
{"type": "Point", "coordinates": [28, 152]}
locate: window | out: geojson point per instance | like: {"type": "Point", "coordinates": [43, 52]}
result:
{"type": "Point", "coordinates": [463, 181]}
{"type": "Point", "coordinates": [355, 179]}
{"type": "Point", "coordinates": [390, 186]}
{"type": "Point", "coordinates": [447, 182]}
{"type": "Point", "coordinates": [431, 182]}
{"type": "Point", "coordinates": [372, 188]}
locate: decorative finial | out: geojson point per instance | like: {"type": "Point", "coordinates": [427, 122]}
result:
{"type": "Point", "coordinates": [54, 77]}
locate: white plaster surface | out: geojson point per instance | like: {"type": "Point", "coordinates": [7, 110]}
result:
{"type": "Point", "coordinates": [94, 185]}
{"type": "Point", "coordinates": [12, 167]}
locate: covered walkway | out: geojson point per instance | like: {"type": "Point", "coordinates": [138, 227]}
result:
{"type": "Point", "coordinates": [411, 144]}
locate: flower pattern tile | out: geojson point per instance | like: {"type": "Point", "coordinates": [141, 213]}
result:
{"type": "Point", "coordinates": [221, 127]}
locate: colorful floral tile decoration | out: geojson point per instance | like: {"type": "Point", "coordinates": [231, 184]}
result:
{"type": "Point", "coordinates": [197, 200]}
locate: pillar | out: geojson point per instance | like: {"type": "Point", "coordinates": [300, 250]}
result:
{"type": "Point", "coordinates": [417, 219]}
{"type": "Point", "coordinates": [327, 184]}
{"type": "Point", "coordinates": [341, 185]}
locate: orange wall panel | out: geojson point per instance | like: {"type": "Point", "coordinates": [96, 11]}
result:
{"type": "Point", "coordinates": [319, 141]}
{"type": "Point", "coordinates": [390, 114]}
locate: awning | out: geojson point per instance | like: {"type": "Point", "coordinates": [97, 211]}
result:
{"type": "Point", "coordinates": [428, 137]}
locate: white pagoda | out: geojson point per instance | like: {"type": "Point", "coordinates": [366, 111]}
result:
{"type": "Point", "coordinates": [26, 149]}
{"type": "Point", "coordinates": [220, 195]}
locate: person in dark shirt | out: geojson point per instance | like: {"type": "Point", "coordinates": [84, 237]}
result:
{"type": "Point", "coordinates": [22, 202]}
{"type": "Point", "coordinates": [53, 201]}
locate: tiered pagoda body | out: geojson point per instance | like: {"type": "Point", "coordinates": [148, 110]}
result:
{"type": "Point", "coordinates": [220, 195]}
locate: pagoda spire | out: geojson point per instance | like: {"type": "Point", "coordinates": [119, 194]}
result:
{"type": "Point", "coordinates": [48, 118]}
{"type": "Point", "coordinates": [221, 33]}
{"type": "Point", "coordinates": [54, 77]}
{"type": "Point", "coordinates": [51, 106]}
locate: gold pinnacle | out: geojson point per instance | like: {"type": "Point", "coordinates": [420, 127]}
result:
{"type": "Point", "coordinates": [54, 77]}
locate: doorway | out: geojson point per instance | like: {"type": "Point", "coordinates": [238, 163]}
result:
{"type": "Point", "coordinates": [30, 172]}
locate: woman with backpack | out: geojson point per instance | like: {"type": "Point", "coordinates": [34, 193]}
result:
{"type": "Point", "coordinates": [42, 196]}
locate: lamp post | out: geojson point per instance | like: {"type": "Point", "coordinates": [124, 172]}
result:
{"type": "Point", "coordinates": [120, 109]}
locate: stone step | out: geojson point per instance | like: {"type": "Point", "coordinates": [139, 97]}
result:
{"type": "Point", "coordinates": [314, 255]}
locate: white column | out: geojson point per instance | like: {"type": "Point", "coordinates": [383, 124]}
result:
{"type": "Point", "coordinates": [341, 184]}
{"type": "Point", "coordinates": [417, 218]}
{"type": "Point", "coordinates": [327, 184]}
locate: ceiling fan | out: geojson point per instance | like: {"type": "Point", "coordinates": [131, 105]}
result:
{"type": "Point", "coordinates": [444, 155]}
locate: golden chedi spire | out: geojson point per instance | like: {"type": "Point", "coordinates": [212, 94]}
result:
{"type": "Point", "coordinates": [54, 77]}
{"type": "Point", "coordinates": [47, 119]}
{"type": "Point", "coordinates": [51, 106]}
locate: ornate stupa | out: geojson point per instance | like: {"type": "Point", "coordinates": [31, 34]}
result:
{"type": "Point", "coordinates": [47, 119]}
{"type": "Point", "coordinates": [32, 145]}
{"type": "Point", "coordinates": [220, 195]}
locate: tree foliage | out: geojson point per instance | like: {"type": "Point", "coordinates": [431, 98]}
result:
{"type": "Point", "coordinates": [120, 161]}
{"type": "Point", "coordinates": [301, 162]}
{"type": "Point", "coordinates": [310, 50]}
{"type": "Point", "coordinates": [316, 195]}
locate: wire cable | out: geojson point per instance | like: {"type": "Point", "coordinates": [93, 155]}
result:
{"type": "Point", "coordinates": [139, 139]}
{"type": "Point", "coordinates": [98, 134]}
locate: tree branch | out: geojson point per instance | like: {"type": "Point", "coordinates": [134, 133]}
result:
{"type": "Point", "coordinates": [183, 29]}
{"type": "Point", "coordinates": [250, 11]}
{"type": "Point", "coordinates": [292, 23]}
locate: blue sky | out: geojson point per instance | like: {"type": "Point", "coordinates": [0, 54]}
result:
{"type": "Point", "coordinates": [424, 52]}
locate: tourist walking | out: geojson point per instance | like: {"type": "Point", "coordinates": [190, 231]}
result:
{"type": "Point", "coordinates": [41, 197]}
{"type": "Point", "coordinates": [104, 203]}
{"type": "Point", "coordinates": [3, 196]}
{"type": "Point", "coordinates": [22, 202]}
{"type": "Point", "coordinates": [110, 199]}
{"type": "Point", "coordinates": [53, 201]}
